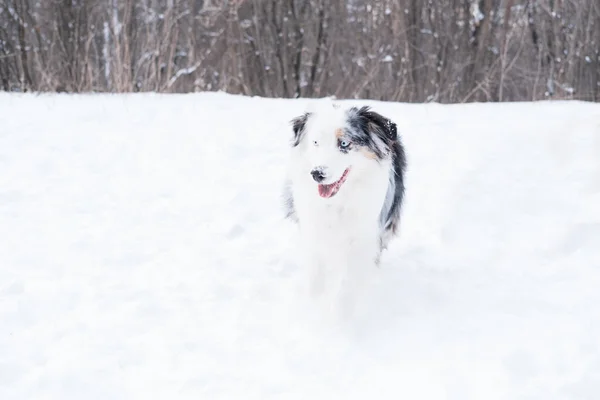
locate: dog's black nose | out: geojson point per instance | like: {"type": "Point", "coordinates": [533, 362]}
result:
{"type": "Point", "coordinates": [318, 174]}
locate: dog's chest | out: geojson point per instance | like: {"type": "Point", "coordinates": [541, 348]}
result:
{"type": "Point", "coordinates": [341, 223]}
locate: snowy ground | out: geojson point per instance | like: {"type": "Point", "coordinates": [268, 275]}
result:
{"type": "Point", "coordinates": [143, 255]}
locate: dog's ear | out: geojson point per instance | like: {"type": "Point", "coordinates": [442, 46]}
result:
{"type": "Point", "coordinates": [298, 125]}
{"type": "Point", "coordinates": [392, 129]}
{"type": "Point", "coordinates": [377, 124]}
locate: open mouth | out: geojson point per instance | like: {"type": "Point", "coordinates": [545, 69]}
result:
{"type": "Point", "coordinates": [327, 191]}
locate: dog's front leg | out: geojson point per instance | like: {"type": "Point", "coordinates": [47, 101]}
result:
{"type": "Point", "coordinates": [313, 266]}
{"type": "Point", "coordinates": [359, 263]}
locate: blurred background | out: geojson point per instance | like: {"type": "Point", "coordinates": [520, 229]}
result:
{"type": "Point", "coordinates": [400, 50]}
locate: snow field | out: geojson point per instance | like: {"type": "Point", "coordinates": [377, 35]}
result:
{"type": "Point", "coordinates": [143, 254]}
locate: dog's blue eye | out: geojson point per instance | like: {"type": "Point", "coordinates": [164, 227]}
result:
{"type": "Point", "coordinates": [344, 144]}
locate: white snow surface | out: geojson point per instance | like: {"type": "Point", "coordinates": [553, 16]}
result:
{"type": "Point", "coordinates": [144, 255]}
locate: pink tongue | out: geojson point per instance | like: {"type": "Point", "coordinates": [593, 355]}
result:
{"type": "Point", "coordinates": [326, 190]}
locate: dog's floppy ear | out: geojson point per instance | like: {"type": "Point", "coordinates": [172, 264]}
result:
{"type": "Point", "coordinates": [378, 124]}
{"type": "Point", "coordinates": [392, 129]}
{"type": "Point", "coordinates": [298, 125]}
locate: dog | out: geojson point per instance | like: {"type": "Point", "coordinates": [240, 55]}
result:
{"type": "Point", "coordinates": [344, 188]}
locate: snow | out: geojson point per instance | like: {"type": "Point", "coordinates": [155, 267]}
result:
{"type": "Point", "coordinates": [144, 255]}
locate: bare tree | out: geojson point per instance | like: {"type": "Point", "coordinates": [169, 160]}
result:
{"type": "Point", "coordinates": [401, 50]}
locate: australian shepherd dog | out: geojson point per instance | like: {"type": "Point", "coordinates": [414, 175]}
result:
{"type": "Point", "coordinates": [344, 189]}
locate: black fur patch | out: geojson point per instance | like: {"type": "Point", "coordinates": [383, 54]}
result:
{"type": "Point", "coordinates": [365, 123]}
{"type": "Point", "coordinates": [298, 125]}
{"type": "Point", "coordinates": [399, 166]}
{"type": "Point", "coordinates": [288, 203]}
{"type": "Point", "coordinates": [370, 122]}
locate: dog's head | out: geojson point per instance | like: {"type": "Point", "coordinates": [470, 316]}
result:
{"type": "Point", "coordinates": [342, 145]}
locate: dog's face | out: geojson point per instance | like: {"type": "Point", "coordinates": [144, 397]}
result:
{"type": "Point", "coordinates": [342, 145]}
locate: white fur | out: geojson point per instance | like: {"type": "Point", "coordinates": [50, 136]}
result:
{"type": "Point", "coordinates": [339, 235]}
